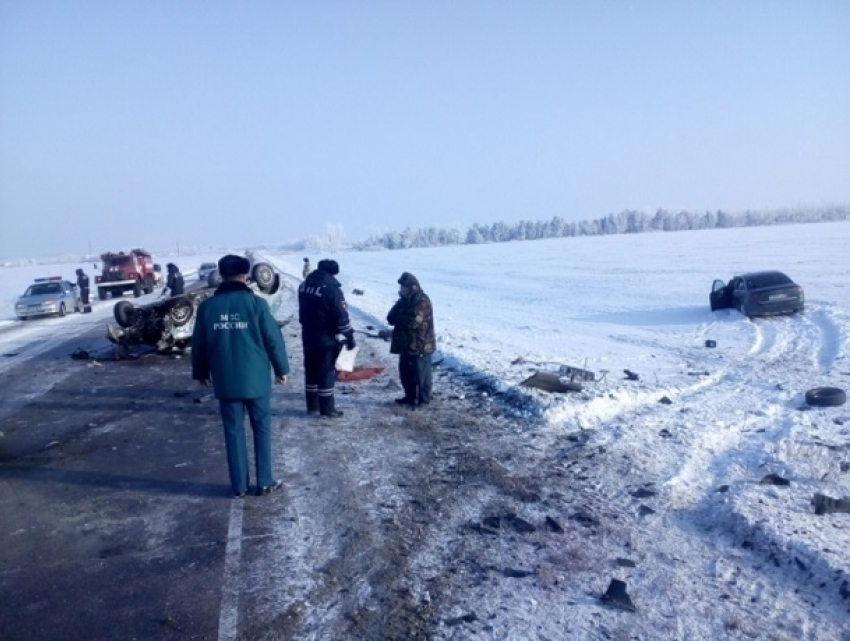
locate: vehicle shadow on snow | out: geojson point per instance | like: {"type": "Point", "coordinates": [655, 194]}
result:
{"type": "Point", "coordinates": [690, 315]}
{"type": "Point", "coordinates": [115, 481]}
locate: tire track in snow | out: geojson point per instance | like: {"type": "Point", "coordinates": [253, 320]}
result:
{"type": "Point", "coordinates": [723, 431]}
{"type": "Point", "coordinates": [832, 341]}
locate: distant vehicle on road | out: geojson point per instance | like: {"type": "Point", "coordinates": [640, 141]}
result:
{"type": "Point", "coordinates": [48, 296]}
{"type": "Point", "coordinates": [758, 294]}
{"type": "Point", "coordinates": [205, 270]}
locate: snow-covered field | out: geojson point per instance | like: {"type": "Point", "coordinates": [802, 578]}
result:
{"type": "Point", "coordinates": [640, 302]}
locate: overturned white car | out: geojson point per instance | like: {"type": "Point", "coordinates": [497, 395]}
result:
{"type": "Point", "coordinates": [167, 325]}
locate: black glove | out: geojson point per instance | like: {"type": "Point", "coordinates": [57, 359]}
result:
{"type": "Point", "coordinates": [349, 341]}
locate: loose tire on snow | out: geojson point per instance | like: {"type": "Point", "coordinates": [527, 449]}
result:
{"type": "Point", "coordinates": [826, 397]}
{"type": "Point", "coordinates": [263, 274]}
{"type": "Point", "coordinates": [180, 311]}
{"type": "Point", "coordinates": [123, 312]}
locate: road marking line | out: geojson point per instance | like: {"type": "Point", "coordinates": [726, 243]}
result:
{"type": "Point", "coordinates": [228, 620]}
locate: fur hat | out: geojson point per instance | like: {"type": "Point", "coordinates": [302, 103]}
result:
{"type": "Point", "coordinates": [408, 280]}
{"type": "Point", "coordinates": [232, 265]}
{"type": "Point", "coordinates": [329, 266]}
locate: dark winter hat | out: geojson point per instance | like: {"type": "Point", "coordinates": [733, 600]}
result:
{"type": "Point", "coordinates": [408, 280]}
{"type": "Point", "coordinates": [306, 260]}
{"type": "Point", "coordinates": [232, 265]}
{"type": "Point", "coordinates": [171, 267]}
{"type": "Point", "coordinates": [79, 271]}
{"type": "Point", "coordinates": [329, 266]}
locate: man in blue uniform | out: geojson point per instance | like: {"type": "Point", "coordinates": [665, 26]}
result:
{"type": "Point", "coordinates": [83, 286]}
{"type": "Point", "coordinates": [237, 343]}
{"type": "Point", "coordinates": [323, 314]}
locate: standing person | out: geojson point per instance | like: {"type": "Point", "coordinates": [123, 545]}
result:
{"type": "Point", "coordinates": [323, 314]}
{"type": "Point", "coordinates": [412, 318]}
{"type": "Point", "coordinates": [237, 343]}
{"type": "Point", "coordinates": [174, 281]}
{"type": "Point", "coordinates": [307, 269]}
{"type": "Point", "coordinates": [83, 286]}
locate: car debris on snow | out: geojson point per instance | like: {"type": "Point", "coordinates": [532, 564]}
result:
{"type": "Point", "coordinates": [616, 596]}
{"type": "Point", "coordinates": [827, 505]}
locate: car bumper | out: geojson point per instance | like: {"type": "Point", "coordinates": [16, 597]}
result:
{"type": "Point", "coordinates": [40, 310]}
{"type": "Point", "coordinates": [775, 309]}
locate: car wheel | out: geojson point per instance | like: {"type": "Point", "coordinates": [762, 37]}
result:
{"type": "Point", "coordinates": [137, 289]}
{"type": "Point", "coordinates": [826, 397]}
{"type": "Point", "coordinates": [214, 279]}
{"type": "Point", "coordinates": [101, 293]}
{"type": "Point", "coordinates": [62, 309]}
{"type": "Point", "coordinates": [263, 274]}
{"type": "Point", "coordinates": [180, 311]}
{"type": "Point", "coordinates": [123, 312]}
{"type": "Point", "coordinates": [148, 285]}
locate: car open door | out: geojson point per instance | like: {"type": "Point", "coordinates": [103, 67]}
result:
{"type": "Point", "coordinates": [720, 297]}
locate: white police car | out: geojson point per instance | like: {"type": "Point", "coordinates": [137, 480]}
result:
{"type": "Point", "coordinates": [48, 296]}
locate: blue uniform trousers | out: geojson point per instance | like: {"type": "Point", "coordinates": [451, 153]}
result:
{"type": "Point", "coordinates": [233, 418]}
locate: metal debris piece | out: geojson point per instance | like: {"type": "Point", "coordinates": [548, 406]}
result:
{"type": "Point", "coordinates": [617, 596]}
{"type": "Point", "coordinates": [549, 382]}
{"type": "Point", "coordinates": [774, 479]}
{"type": "Point", "coordinates": [827, 505]}
{"type": "Point", "coordinates": [470, 617]}
{"type": "Point", "coordinates": [553, 525]}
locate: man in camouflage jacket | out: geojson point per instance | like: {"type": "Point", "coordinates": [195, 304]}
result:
{"type": "Point", "coordinates": [412, 318]}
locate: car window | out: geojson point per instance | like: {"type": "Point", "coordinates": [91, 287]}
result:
{"type": "Point", "coordinates": [42, 289]}
{"type": "Point", "coordinates": [768, 280]}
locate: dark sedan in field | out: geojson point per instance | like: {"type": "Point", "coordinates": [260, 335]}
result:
{"type": "Point", "coordinates": [758, 294]}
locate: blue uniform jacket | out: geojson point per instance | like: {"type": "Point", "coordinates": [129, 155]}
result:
{"type": "Point", "coordinates": [322, 310]}
{"type": "Point", "coordinates": [237, 343]}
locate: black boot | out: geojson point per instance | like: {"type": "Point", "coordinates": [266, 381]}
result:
{"type": "Point", "coordinates": [327, 407]}
{"type": "Point", "coordinates": [312, 402]}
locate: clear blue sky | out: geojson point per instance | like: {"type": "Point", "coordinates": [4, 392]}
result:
{"type": "Point", "coordinates": [150, 123]}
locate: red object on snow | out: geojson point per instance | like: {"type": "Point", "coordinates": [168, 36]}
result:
{"type": "Point", "coordinates": [359, 374]}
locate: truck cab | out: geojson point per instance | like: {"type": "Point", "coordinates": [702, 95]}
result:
{"type": "Point", "coordinates": [133, 270]}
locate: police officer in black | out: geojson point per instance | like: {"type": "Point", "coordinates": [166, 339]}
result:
{"type": "Point", "coordinates": [174, 281]}
{"type": "Point", "coordinates": [323, 314]}
{"type": "Point", "coordinates": [83, 286]}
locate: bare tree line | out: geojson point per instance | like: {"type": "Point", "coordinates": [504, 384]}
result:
{"type": "Point", "coordinates": [625, 222]}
